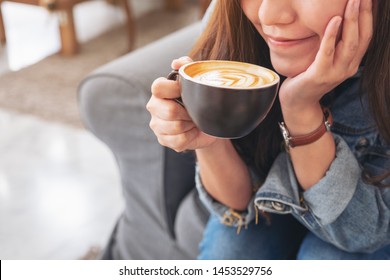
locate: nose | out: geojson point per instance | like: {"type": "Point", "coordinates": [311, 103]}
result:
{"type": "Point", "coordinates": [276, 12]}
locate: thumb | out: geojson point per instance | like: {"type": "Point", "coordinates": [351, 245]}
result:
{"type": "Point", "coordinates": [177, 63]}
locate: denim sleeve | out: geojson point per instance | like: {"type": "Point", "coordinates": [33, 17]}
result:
{"type": "Point", "coordinates": [228, 216]}
{"type": "Point", "coordinates": [341, 208]}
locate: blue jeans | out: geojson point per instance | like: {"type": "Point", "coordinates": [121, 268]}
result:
{"type": "Point", "coordinates": [313, 248]}
{"type": "Point", "coordinates": [284, 238]}
{"type": "Point", "coordinates": [279, 240]}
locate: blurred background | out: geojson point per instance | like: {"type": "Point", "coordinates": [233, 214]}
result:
{"type": "Point", "coordinates": [59, 187]}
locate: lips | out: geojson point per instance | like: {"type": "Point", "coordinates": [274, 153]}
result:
{"type": "Point", "coordinates": [287, 42]}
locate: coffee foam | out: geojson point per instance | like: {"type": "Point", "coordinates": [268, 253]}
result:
{"type": "Point", "coordinates": [229, 74]}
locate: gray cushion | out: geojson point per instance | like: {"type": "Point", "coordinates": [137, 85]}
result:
{"type": "Point", "coordinates": [155, 179]}
{"type": "Point", "coordinates": [190, 221]}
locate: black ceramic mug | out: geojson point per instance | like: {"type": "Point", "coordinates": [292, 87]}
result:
{"type": "Point", "coordinates": [226, 99]}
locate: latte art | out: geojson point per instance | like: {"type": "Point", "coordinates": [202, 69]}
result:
{"type": "Point", "coordinates": [226, 99]}
{"type": "Point", "coordinates": [229, 78]}
{"type": "Point", "coordinates": [229, 74]}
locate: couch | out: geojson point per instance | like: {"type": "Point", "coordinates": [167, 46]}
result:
{"type": "Point", "coordinates": [163, 217]}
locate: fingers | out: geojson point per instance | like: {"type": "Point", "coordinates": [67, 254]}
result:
{"type": "Point", "coordinates": [171, 124]}
{"type": "Point", "coordinates": [177, 63]}
{"type": "Point", "coordinates": [357, 31]}
{"type": "Point", "coordinates": [162, 127]}
{"type": "Point", "coordinates": [168, 89]}
{"type": "Point", "coordinates": [350, 35]}
{"type": "Point", "coordinates": [366, 23]}
{"type": "Point", "coordinates": [180, 142]}
{"type": "Point", "coordinates": [325, 55]}
{"type": "Point", "coordinates": [357, 27]}
{"type": "Point", "coordinates": [165, 89]}
{"type": "Point", "coordinates": [349, 44]}
{"type": "Point", "coordinates": [170, 121]}
{"type": "Point", "coordinates": [168, 110]}
{"type": "Point", "coordinates": [356, 36]}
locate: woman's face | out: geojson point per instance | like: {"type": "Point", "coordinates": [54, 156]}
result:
{"type": "Point", "coordinates": [293, 29]}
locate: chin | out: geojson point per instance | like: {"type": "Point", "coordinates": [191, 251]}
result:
{"type": "Point", "coordinates": [287, 71]}
{"type": "Point", "coordinates": [288, 68]}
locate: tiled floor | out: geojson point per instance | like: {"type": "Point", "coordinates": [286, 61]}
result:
{"type": "Point", "coordinates": [59, 186]}
{"type": "Point", "coordinates": [59, 190]}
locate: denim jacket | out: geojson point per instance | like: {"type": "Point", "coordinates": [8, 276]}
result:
{"type": "Point", "coordinates": [341, 208]}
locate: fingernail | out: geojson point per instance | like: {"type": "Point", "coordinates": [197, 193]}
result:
{"type": "Point", "coordinates": [187, 58]}
{"type": "Point", "coordinates": [338, 21]}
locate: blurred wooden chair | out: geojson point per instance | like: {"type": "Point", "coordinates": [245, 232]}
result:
{"type": "Point", "coordinates": [203, 5]}
{"type": "Point", "coordinates": [64, 8]}
{"type": "Point", "coordinates": [177, 4]}
{"type": "Point", "coordinates": [2, 29]}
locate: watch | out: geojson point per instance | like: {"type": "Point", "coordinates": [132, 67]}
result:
{"type": "Point", "coordinates": [301, 140]}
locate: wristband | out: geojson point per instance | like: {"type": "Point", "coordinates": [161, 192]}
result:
{"type": "Point", "coordinates": [301, 140]}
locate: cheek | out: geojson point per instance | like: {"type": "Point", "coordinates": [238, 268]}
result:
{"type": "Point", "coordinates": [250, 9]}
{"type": "Point", "coordinates": [318, 23]}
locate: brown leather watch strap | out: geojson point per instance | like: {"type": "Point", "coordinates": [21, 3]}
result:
{"type": "Point", "coordinates": [300, 140]}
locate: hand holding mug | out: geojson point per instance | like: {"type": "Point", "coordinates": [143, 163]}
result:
{"type": "Point", "coordinates": [226, 99]}
{"type": "Point", "coordinates": [212, 98]}
{"type": "Point", "coordinates": [169, 120]}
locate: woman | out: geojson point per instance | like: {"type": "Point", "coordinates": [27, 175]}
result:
{"type": "Point", "coordinates": [334, 183]}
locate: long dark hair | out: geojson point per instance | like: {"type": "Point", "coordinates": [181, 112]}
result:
{"type": "Point", "coordinates": [230, 35]}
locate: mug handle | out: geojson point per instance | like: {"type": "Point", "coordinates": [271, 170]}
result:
{"type": "Point", "coordinates": [173, 77]}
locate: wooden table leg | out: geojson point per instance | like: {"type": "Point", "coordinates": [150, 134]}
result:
{"type": "Point", "coordinates": [69, 44]}
{"type": "Point", "coordinates": [203, 5]}
{"type": "Point", "coordinates": [174, 4]}
{"type": "Point", "coordinates": [130, 22]}
{"type": "Point", "coordinates": [2, 29]}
